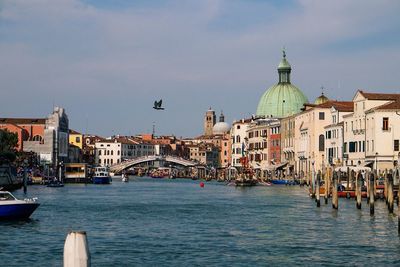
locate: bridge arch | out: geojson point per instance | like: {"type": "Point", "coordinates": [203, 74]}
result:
{"type": "Point", "coordinates": [116, 168]}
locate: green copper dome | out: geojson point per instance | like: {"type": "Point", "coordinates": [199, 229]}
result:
{"type": "Point", "coordinates": [282, 99]}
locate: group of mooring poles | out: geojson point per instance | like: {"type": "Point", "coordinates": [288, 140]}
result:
{"type": "Point", "coordinates": [332, 179]}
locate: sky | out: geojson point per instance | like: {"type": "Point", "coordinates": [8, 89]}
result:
{"type": "Point", "coordinates": [107, 61]}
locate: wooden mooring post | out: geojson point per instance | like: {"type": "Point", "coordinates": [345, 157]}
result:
{"type": "Point", "coordinates": [358, 189]}
{"type": "Point", "coordinates": [385, 191]}
{"type": "Point", "coordinates": [317, 189]}
{"type": "Point", "coordinates": [367, 175]}
{"type": "Point", "coordinates": [390, 198]}
{"type": "Point", "coordinates": [326, 179]}
{"type": "Point", "coordinates": [334, 191]}
{"type": "Point", "coordinates": [371, 187]}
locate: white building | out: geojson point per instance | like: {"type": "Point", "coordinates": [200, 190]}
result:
{"type": "Point", "coordinates": [372, 131]}
{"type": "Point", "coordinates": [116, 150]}
{"type": "Point", "coordinates": [239, 141]}
{"type": "Point", "coordinates": [334, 134]}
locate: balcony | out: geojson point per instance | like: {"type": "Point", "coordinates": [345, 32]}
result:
{"type": "Point", "coordinates": [358, 131]}
{"type": "Point", "coordinates": [387, 129]}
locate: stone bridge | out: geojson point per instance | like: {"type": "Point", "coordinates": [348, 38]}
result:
{"type": "Point", "coordinates": [116, 168]}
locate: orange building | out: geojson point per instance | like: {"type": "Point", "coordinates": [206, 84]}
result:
{"type": "Point", "coordinates": [26, 129]}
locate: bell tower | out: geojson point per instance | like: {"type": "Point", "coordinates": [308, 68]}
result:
{"type": "Point", "coordinates": [209, 121]}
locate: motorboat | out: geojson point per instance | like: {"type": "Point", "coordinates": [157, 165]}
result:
{"type": "Point", "coordinates": [55, 183]}
{"type": "Point", "coordinates": [101, 176]}
{"type": "Point", "coordinates": [13, 208]}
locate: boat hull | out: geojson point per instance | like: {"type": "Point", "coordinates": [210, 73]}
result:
{"type": "Point", "coordinates": [17, 211]}
{"type": "Point", "coordinates": [102, 180]}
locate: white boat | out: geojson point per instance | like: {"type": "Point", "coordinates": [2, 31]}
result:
{"type": "Point", "coordinates": [13, 208]}
{"type": "Point", "coordinates": [101, 176]}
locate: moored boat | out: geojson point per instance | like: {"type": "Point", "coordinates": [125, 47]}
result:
{"type": "Point", "coordinates": [101, 176]}
{"type": "Point", "coordinates": [13, 208]}
{"type": "Point", "coordinates": [245, 182]}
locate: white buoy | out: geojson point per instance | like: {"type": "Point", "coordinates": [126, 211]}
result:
{"type": "Point", "coordinates": [76, 250]}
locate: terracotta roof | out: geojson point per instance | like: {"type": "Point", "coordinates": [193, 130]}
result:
{"type": "Point", "coordinates": [346, 106]}
{"type": "Point", "coordinates": [393, 104]}
{"type": "Point", "coordinates": [23, 120]}
{"type": "Point", "coordinates": [379, 96]}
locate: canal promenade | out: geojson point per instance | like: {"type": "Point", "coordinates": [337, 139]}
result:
{"type": "Point", "coordinates": [161, 222]}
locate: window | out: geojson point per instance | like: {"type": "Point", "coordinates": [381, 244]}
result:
{"type": "Point", "coordinates": [77, 139]}
{"type": "Point", "coordinates": [99, 152]}
{"type": "Point", "coordinates": [238, 139]}
{"type": "Point", "coordinates": [385, 124]}
{"type": "Point", "coordinates": [322, 116]}
{"type": "Point", "coordinates": [321, 143]}
{"type": "Point", "coordinates": [396, 145]}
{"type": "Point", "coordinates": [352, 147]}
{"type": "Point", "coordinates": [118, 152]}
{"type": "Point", "coordinates": [363, 146]}
{"type": "Point", "coordinates": [238, 127]}
{"type": "Point", "coordinates": [37, 138]}
{"type": "Point", "coordinates": [112, 152]}
{"type": "Point", "coordinates": [345, 147]}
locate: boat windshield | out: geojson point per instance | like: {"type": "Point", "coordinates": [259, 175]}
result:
{"type": "Point", "coordinates": [4, 196]}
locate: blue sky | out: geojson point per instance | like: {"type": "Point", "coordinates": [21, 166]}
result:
{"type": "Point", "coordinates": [107, 61]}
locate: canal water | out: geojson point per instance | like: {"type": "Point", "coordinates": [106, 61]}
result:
{"type": "Point", "coordinates": [161, 222]}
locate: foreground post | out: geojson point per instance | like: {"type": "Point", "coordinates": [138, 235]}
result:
{"type": "Point", "coordinates": [371, 194]}
{"type": "Point", "coordinates": [385, 191]}
{"type": "Point", "coordinates": [390, 193]}
{"type": "Point", "coordinates": [358, 189]}
{"type": "Point", "coordinates": [334, 191]}
{"type": "Point", "coordinates": [76, 250]}
{"type": "Point", "coordinates": [317, 189]}
{"type": "Point", "coordinates": [367, 174]}
{"type": "Point", "coordinates": [326, 176]}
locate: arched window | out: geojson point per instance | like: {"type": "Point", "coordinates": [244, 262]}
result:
{"type": "Point", "coordinates": [37, 138]}
{"type": "Point", "coordinates": [112, 152]}
{"type": "Point", "coordinates": [99, 152]}
{"type": "Point", "coordinates": [238, 139]}
{"type": "Point", "coordinates": [321, 142]}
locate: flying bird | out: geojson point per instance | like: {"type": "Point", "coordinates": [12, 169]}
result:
{"type": "Point", "coordinates": [157, 105]}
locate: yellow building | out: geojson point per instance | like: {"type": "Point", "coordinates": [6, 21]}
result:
{"type": "Point", "coordinates": [75, 139]}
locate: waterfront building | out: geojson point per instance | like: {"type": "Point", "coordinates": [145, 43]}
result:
{"type": "Point", "coordinates": [117, 149]}
{"type": "Point", "coordinates": [75, 138]}
{"type": "Point", "coordinates": [204, 153]}
{"type": "Point", "coordinates": [372, 130]}
{"type": "Point", "coordinates": [88, 148]}
{"type": "Point", "coordinates": [239, 140]}
{"type": "Point", "coordinates": [288, 142]}
{"type": "Point", "coordinates": [282, 99]}
{"type": "Point", "coordinates": [216, 134]}
{"type": "Point", "coordinates": [310, 135]}
{"type": "Point", "coordinates": [334, 134]}
{"type": "Point", "coordinates": [47, 137]}
{"type": "Point", "coordinates": [257, 144]}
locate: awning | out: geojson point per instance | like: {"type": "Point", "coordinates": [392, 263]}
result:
{"type": "Point", "coordinates": [276, 167]}
{"type": "Point", "coordinates": [353, 168]}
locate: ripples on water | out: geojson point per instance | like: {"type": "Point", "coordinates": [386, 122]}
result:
{"type": "Point", "coordinates": [156, 222]}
